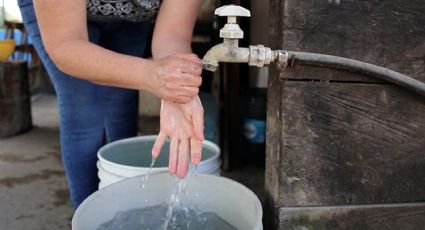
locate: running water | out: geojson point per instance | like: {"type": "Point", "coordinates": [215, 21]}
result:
{"type": "Point", "coordinates": [171, 216]}
{"type": "Point", "coordinates": [196, 191]}
{"type": "Point", "coordinates": [173, 203]}
{"type": "Point", "coordinates": [146, 177]}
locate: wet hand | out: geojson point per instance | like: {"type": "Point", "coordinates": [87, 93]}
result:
{"type": "Point", "coordinates": [184, 124]}
{"type": "Point", "coordinates": [176, 78]}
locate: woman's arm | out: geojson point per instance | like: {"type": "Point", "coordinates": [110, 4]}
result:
{"type": "Point", "coordinates": [174, 27]}
{"type": "Point", "coordinates": [184, 123]}
{"type": "Point", "coordinates": [63, 27]}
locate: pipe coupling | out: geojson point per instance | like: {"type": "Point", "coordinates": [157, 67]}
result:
{"type": "Point", "coordinates": [260, 56]}
{"type": "Point", "coordinates": [282, 57]}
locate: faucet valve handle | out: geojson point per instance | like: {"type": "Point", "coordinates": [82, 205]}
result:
{"type": "Point", "coordinates": [232, 11]}
{"type": "Point", "coordinates": [231, 29]}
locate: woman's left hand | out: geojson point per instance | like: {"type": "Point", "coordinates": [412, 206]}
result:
{"type": "Point", "coordinates": [184, 124]}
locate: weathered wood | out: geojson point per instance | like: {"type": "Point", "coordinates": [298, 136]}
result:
{"type": "Point", "coordinates": [350, 144]}
{"type": "Point", "coordinates": [386, 33]}
{"type": "Point", "coordinates": [336, 138]}
{"type": "Point", "coordinates": [15, 101]}
{"type": "Point", "coordinates": [364, 217]}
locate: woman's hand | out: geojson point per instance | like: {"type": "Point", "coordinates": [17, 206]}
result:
{"type": "Point", "coordinates": [184, 124]}
{"type": "Point", "coordinates": [176, 78]}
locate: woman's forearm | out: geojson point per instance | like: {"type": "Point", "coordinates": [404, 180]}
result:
{"type": "Point", "coordinates": [174, 27]}
{"type": "Point", "coordinates": [88, 61]}
{"type": "Point", "coordinates": [165, 46]}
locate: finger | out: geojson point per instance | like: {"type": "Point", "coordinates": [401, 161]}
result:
{"type": "Point", "coordinates": [198, 122]}
{"type": "Point", "coordinates": [159, 142]}
{"type": "Point", "coordinates": [172, 164]}
{"type": "Point", "coordinates": [179, 99]}
{"type": "Point", "coordinates": [191, 80]}
{"type": "Point", "coordinates": [184, 90]}
{"type": "Point", "coordinates": [187, 66]}
{"type": "Point", "coordinates": [188, 79]}
{"type": "Point", "coordinates": [195, 151]}
{"type": "Point", "coordinates": [183, 160]}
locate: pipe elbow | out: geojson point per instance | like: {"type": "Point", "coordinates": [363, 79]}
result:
{"type": "Point", "coordinates": [213, 57]}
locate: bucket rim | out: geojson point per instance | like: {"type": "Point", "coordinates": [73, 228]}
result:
{"type": "Point", "coordinates": [207, 143]}
{"type": "Point", "coordinates": [249, 192]}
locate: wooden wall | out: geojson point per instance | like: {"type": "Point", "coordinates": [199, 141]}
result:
{"type": "Point", "coordinates": [346, 151]}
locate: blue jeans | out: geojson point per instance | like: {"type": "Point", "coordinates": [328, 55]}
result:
{"type": "Point", "coordinates": [90, 112]}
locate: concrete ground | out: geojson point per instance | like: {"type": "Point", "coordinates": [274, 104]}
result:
{"type": "Point", "coordinates": [33, 189]}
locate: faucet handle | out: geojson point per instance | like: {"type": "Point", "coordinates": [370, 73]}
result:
{"type": "Point", "coordinates": [232, 30]}
{"type": "Point", "coordinates": [232, 11]}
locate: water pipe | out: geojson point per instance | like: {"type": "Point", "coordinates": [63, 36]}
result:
{"type": "Point", "coordinates": [355, 66]}
{"type": "Point", "coordinates": [259, 55]}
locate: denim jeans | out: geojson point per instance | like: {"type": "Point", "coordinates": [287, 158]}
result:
{"type": "Point", "coordinates": [90, 112]}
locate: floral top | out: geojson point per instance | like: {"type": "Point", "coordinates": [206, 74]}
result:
{"type": "Point", "coordinates": [117, 10]}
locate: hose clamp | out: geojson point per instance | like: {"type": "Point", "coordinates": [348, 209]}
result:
{"type": "Point", "coordinates": [283, 59]}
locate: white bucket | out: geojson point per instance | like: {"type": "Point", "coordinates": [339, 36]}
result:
{"type": "Point", "coordinates": [233, 202]}
{"type": "Point", "coordinates": [132, 157]}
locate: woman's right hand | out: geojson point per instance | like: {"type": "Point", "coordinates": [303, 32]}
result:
{"type": "Point", "coordinates": [184, 125]}
{"type": "Point", "coordinates": [176, 78]}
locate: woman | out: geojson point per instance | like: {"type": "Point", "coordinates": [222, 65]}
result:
{"type": "Point", "coordinates": [90, 48]}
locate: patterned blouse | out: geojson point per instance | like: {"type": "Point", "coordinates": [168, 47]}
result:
{"type": "Point", "coordinates": [118, 10]}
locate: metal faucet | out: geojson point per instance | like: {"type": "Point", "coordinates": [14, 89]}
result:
{"type": "Point", "coordinates": [229, 50]}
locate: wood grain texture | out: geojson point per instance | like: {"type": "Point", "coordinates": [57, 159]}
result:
{"type": "Point", "coordinates": [336, 138]}
{"type": "Point", "coordinates": [387, 33]}
{"type": "Point", "coordinates": [374, 217]}
{"type": "Point", "coordinates": [350, 144]}
{"type": "Point", "coordinates": [273, 140]}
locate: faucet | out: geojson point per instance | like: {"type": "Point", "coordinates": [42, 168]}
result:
{"type": "Point", "coordinates": [229, 50]}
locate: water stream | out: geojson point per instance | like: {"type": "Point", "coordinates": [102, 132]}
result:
{"type": "Point", "coordinates": [171, 216]}
{"type": "Point", "coordinates": [146, 176]}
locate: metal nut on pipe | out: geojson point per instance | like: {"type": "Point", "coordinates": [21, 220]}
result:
{"type": "Point", "coordinates": [259, 56]}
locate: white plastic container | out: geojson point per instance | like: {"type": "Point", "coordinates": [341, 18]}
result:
{"type": "Point", "coordinates": [233, 202]}
{"type": "Point", "coordinates": [132, 157]}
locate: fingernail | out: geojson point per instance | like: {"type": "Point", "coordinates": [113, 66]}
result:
{"type": "Point", "coordinates": [201, 135]}
{"type": "Point", "coordinates": [181, 175]}
{"type": "Point", "coordinates": [155, 153]}
{"type": "Point", "coordinates": [196, 159]}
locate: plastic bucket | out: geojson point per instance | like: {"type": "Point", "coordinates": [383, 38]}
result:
{"type": "Point", "coordinates": [132, 157]}
{"type": "Point", "coordinates": [233, 202]}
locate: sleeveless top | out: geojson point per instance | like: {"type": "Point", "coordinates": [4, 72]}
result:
{"type": "Point", "coordinates": [119, 10]}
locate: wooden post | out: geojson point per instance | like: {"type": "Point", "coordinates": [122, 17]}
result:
{"type": "Point", "coordinates": [346, 151]}
{"type": "Point", "coordinates": [15, 99]}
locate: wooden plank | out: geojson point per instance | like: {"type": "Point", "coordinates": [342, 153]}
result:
{"type": "Point", "coordinates": [332, 140]}
{"type": "Point", "coordinates": [376, 217]}
{"type": "Point", "coordinates": [387, 33]}
{"type": "Point", "coordinates": [273, 138]}
{"type": "Point", "coordinates": [347, 144]}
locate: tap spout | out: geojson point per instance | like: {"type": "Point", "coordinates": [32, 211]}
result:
{"type": "Point", "coordinates": [228, 51]}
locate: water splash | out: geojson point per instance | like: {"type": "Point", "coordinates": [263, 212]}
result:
{"type": "Point", "coordinates": [173, 203]}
